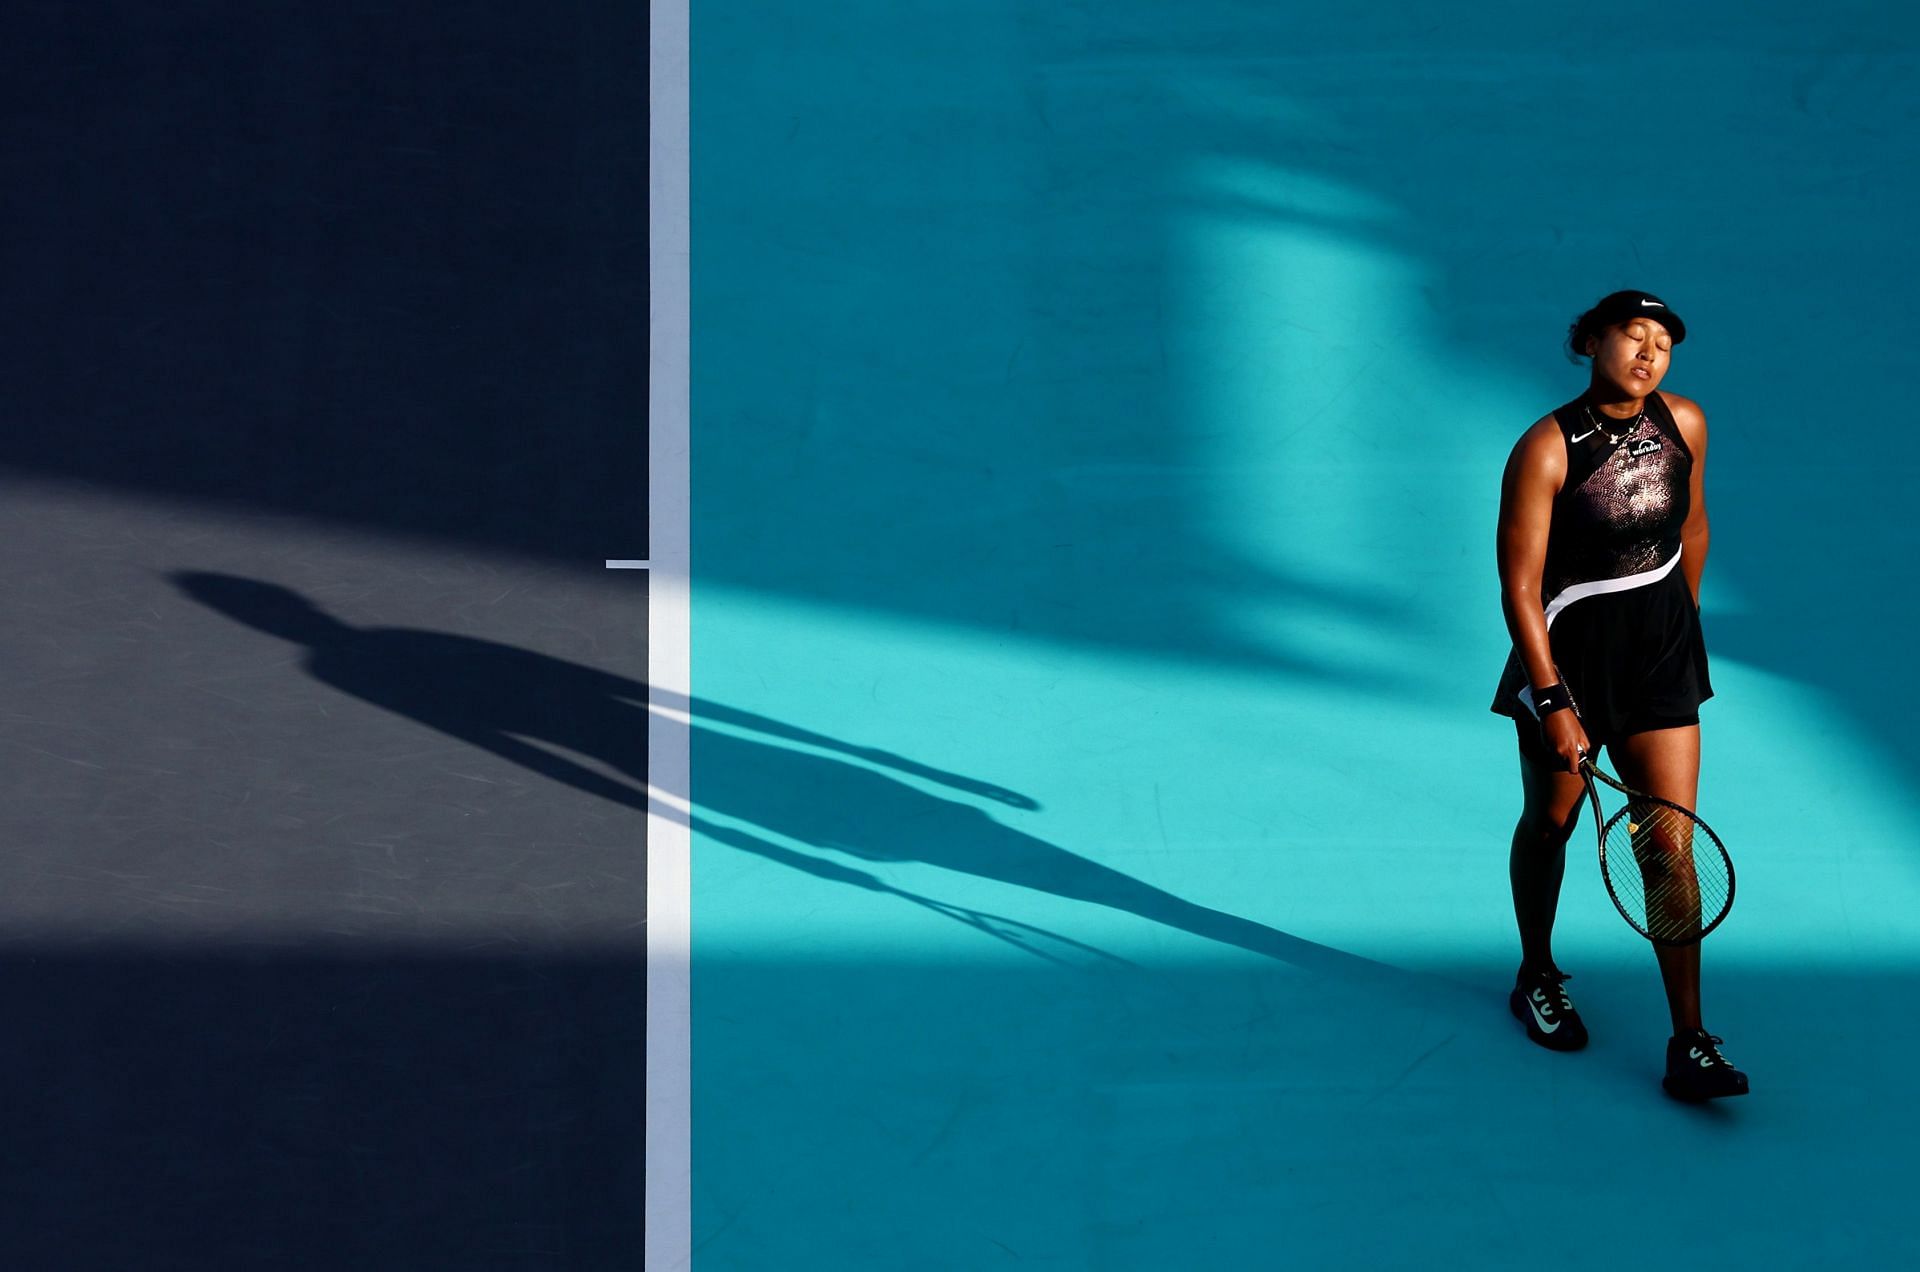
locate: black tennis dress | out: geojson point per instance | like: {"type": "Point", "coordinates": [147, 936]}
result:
{"type": "Point", "coordinates": [1620, 619]}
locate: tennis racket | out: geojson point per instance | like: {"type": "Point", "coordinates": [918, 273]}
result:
{"type": "Point", "coordinates": [1667, 872]}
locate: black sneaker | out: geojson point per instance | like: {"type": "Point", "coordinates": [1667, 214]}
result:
{"type": "Point", "coordinates": [1540, 1001]}
{"type": "Point", "coordinates": [1696, 1070]}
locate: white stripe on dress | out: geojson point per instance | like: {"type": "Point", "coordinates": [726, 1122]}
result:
{"type": "Point", "coordinates": [1598, 587]}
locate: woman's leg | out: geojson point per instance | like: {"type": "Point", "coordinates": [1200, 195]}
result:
{"type": "Point", "coordinates": [1538, 860]}
{"type": "Point", "coordinates": [1666, 762]}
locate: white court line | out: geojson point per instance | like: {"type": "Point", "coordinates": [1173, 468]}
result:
{"type": "Point", "coordinates": [629, 565]}
{"type": "Point", "coordinates": [669, 1133]}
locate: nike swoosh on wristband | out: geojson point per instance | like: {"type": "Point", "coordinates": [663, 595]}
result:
{"type": "Point", "coordinates": [1541, 1020]}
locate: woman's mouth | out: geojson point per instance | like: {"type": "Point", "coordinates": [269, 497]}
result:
{"type": "Point", "coordinates": [1641, 373]}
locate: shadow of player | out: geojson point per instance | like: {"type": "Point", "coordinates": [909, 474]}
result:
{"type": "Point", "coordinates": [564, 721]}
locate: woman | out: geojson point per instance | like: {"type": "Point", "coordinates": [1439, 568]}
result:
{"type": "Point", "coordinates": [1603, 534]}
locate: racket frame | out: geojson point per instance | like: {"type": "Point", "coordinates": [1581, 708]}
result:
{"type": "Point", "coordinates": [1589, 771]}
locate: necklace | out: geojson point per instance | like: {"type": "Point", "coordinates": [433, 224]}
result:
{"type": "Point", "coordinates": [1595, 419]}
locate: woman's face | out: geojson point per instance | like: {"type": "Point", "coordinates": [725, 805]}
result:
{"type": "Point", "coordinates": [1632, 355]}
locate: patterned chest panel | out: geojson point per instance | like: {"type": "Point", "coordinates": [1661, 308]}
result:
{"type": "Point", "coordinates": [1624, 503]}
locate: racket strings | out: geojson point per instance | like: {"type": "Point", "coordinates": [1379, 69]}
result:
{"type": "Point", "coordinates": [1663, 873]}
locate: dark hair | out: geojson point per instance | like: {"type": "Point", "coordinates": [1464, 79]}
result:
{"type": "Point", "coordinates": [1577, 334]}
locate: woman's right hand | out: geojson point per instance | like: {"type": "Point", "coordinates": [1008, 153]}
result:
{"type": "Point", "coordinates": [1566, 738]}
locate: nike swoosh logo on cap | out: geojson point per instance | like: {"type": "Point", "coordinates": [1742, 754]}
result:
{"type": "Point", "coordinates": [1652, 302]}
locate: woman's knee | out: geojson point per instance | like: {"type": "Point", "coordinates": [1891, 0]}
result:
{"type": "Point", "coordinates": [1547, 829]}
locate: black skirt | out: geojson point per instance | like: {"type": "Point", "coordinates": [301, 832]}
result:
{"type": "Point", "coordinates": [1633, 661]}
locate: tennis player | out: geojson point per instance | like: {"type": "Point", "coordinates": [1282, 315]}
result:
{"type": "Point", "coordinates": [1602, 538]}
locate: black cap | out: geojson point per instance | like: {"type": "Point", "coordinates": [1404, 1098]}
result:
{"type": "Point", "coordinates": [1623, 305]}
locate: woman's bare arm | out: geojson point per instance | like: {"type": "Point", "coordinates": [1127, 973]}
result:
{"type": "Point", "coordinates": [1693, 535]}
{"type": "Point", "coordinates": [1534, 475]}
{"type": "Point", "coordinates": [1535, 472]}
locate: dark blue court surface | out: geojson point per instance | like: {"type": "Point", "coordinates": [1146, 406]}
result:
{"type": "Point", "coordinates": [324, 898]}
{"type": "Point", "coordinates": [322, 905]}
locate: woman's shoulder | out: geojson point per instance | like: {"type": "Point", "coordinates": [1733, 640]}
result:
{"type": "Point", "coordinates": [1541, 450]}
{"type": "Point", "coordinates": [1688, 415]}
{"type": "Point", "coordinates": [1685, 409]}
{"type": "Point", "coordinates": [1545, 435]}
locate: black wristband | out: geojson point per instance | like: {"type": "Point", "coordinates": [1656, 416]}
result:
{"type": "Point", "coordinates": [1551, 699]}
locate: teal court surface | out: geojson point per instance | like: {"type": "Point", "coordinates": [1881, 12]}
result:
{"type": "Point", "coordinates": [1098, 834]}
